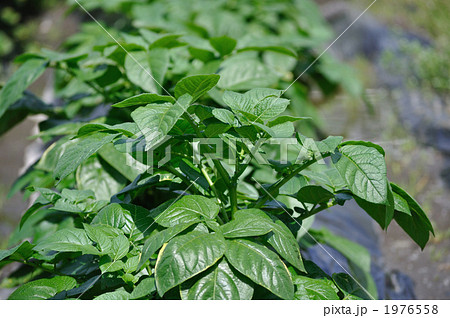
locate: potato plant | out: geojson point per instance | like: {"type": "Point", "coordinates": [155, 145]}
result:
{"type": "Point", "coordinates": [175, 169]}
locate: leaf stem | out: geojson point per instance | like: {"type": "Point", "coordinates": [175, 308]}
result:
{"type": "Point", "coordinates": [273, 190]}
{"type": "Point", "coordinates": [89, 83]}
{"type": "Point", "coordinates": [233, 198]}
{"type": "Point", "coordinates": [315, 211]}
{"type": "Point", "coordinates": [216, 193]}
{"type": "Point", "coordinates": [182, 177]}
{"type": "Point", "coordinates": [223, 173]}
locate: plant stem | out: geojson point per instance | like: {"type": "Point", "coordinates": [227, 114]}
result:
{"type": "Point", "coordinates": [41, 267]}
{"type": "Point", "coordinates": [216, 193]}
{"type": "Point", "coordinates": [223, 173]}
{"type": "Point", "coordinates": [315, 211]}
{"type": "Point", "coordinates": [210, 183]}
{"type": "Point", "coordinates": [233, 198]}
{"type": "Point", "coordinates": [89, 83]}
{"type": "Point", "coordinates": [175, 172]}
{"type": "Point", "coordinates": [220, 220]}
{"type": "Point", "coordinates": [273, 190]}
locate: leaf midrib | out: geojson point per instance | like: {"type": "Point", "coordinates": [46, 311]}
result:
{"type": "Point", "coordinates": [362, 171]}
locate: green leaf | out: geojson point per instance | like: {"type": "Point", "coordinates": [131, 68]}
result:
{"type": "Point", "coordinates": [401, 204]}
{"type": "Point", "coordinates": [115, 216]}
{"type": "Point", "coordinates": [102, 235]}
{"type": "Point", "coordinates": [124, 163]}
{"type": "Point", "coordinates": [223, 44]}
{"type": "Point", "coordinates": [144, 99]}
{"type": "Point", "coordinates": [31, 211]}
{"type": "Point", "coordinates": [127, 129]}
{"type": "Point", "coordinates": [159, 63]}
{"type": "Point", "coordinates": [382, 213]}
{"type": "Point", "coordinates": [414, 207]}
{"type": "Point", "coordinates": [254, 222]}
{"type": "Point", "coordinates": [119, 247]}
{"type": "Point", "coordinates": [196, 85]}
{"type": "Point", "coordinates": [277, 49]}
{"type": "Point", "coordinates": [19, 81]}
{"type": "Point", "coordinates": [238, 73]}
{"type": "Point", "coordinates": [137, 69]}
{"type": "Point", "coordinates": [107, 266]}
{"type": "Point", "coordinates": [188, 209]}
{"type": "Point", "coordinates": [133, 220]}
{"type": "Point", "coordinates": [92, 175]}
{"type": "Point", "coordinates": [258, 103]}
{"type": "Point", "coordinates": [115, 295]}
{"type": "Point", "coordinates": [414, 226]}
{"type": "Point", "coordinates": [75, 201]}
{"type": "Point", "coordinates": [225, 116]}
{"type": "Point", "coordinates": [167, 41]}
{"type": "Point", "coordinates": [54, 56]}
{"type": "Point", "coordinates": [19, 252]}
{"type": "Point", "coordinates": [314, 289]}
{"type": "Point", "coordinates": [329, 144]}
{"type": "Point", "coordinates": [285, 119]}
{"type": "Point", "coordinates": [261, 265]}
{"type": "Point", "coordinates": [285, 130]}
{"type": "Point", "coordinates": [78, 150]}
{"type": "Point", "coordinates": [68, 240]}
{"type": "Point", "coordinates": [292, 186]}
{"type": "Point", "coordinates": [364, 170]}
{"type": "Point", "coordinates": [411, 218]}
{"type": "Point", "coordinates": [156, 241]}
{"type": "Point", "coordinates": [156, 120]}
{"type": "Point", "coordinates": [349, 287]}
{"type": "Point", "coordinates": [220, 282]}
{"type": "Point", "coordinates": [201, 54]}
{"type": "Point", "coordinates": [284, 242]}
{"type": "Point", "coordinates": [131, 264]}
{"type": "Point", "coordinates": [43, 288]}
{"type": "Point", "coordinates": [185, 256]}
{"type": "Point", "coordinates": [250, 222]}
{"type": "Point", "coordinates": [146, 287]}
{"type": "Point", "coordinates": [323, 147]}
{"type": "Point", "coordinates": [365, 143]}
{"type": "Point", "coordinates": [27, 105]}
{"type": "Point", "coordinates": [314, 194]}
{"type": "Point", "coordinates": [214, 129]}
{"type": "Point", "coordinates": [143, 180]}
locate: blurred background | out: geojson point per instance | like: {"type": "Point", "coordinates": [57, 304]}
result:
{"type": "Point", "coordinates": [401, 53]}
